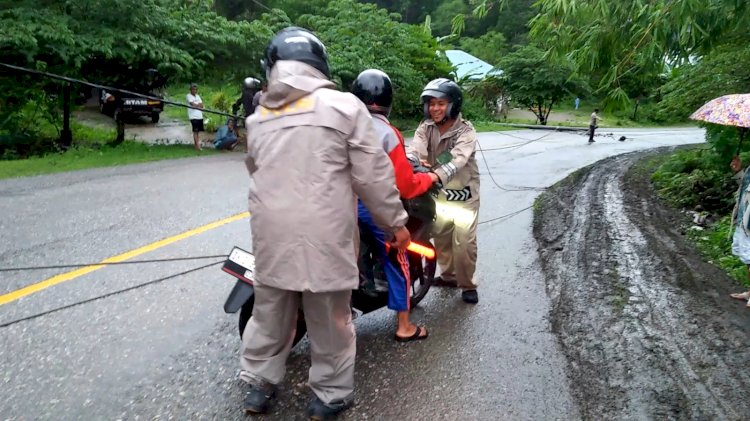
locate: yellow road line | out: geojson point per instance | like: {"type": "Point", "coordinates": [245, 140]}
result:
{"type": "Point", "coordinates": [67, 276]}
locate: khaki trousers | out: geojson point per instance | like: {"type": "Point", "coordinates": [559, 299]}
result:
{"type": "Point", "coordinates": [455, 235]}
{"type": "Point", "coordinates": [268, 337]}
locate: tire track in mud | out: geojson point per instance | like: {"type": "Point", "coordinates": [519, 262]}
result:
{"type": "Point", "coordinates": [647, 327]}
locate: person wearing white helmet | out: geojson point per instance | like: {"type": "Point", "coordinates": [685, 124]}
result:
{"type": "Point", "coordinates": [446, 142]}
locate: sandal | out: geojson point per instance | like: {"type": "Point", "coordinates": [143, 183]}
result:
{"type": "Point", "coordinates": [741, 295]}
{"type": "Point", "coordinates": [417, 336]}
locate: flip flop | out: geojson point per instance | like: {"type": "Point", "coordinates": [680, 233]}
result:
{"type": "Point", "coordinates": [417, 336]}
{"type": "Point", "coordinates": [741, 295]}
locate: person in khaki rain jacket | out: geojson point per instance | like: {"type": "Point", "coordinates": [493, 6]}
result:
{"type": "Point", "coordinates": [311, 152]}
{"type": "Point", "coordinates": [446, 142]}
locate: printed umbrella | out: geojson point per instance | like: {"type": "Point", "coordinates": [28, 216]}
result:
{"type": "Point", "coordinates": [728, 110]}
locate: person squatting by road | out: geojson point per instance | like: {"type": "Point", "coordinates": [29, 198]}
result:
{"type": "Point", "coordinates": [311, 151]}
{"type": "Point", "coordinates": [741, 218]}
{"type": "Point", "coordinates": [446, 142]}
{"type": "Point", "coordinates": [373, 87]}
{"type": "Point", "coordinates": [226, 136]}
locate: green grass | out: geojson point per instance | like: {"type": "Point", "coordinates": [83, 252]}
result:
{"type": "Point", "coordinates": [96, 155]}
{"type": "Point", "coordinates": [582, 116]}
{"type": "Point", "coordinates": [216, 96]}
{"type": "Point", "coordinates": [492, 126]}
{"type": "Point", "coordinates": [715, 243]}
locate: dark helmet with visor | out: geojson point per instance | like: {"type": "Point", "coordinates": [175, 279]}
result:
{"type": "Point", "coordinates": [373, 87]}
{"type": "Point", "coordinates": [297, 44]}
{"type": "Point", "coordinates": [445, 89]}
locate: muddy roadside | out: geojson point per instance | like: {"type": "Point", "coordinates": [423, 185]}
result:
{"type": "Point", "coordinates": [646, 325]}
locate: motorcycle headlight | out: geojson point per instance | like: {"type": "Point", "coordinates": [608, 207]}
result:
{"type": "Point", "coordinates": [455, 212]}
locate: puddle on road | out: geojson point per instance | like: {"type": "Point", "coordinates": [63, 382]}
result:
{"type": "Point", "coordinates": [166, 131]}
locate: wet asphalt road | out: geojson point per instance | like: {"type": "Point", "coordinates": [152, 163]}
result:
{"type": "Point", "coordinates": [168, 351]}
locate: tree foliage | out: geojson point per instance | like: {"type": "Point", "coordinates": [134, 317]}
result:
{"type": "Point", "coordinates": [725, 70]}
{"type": "Point", "coordinates": [411, 11]}
{"type": "Point", "coordinates": [111, 42]}
{"type": "Point", "coordinates": [119, 39]}
{"type": "Point", "coordinates": [537, 82]}
{"type": "Point", "coordinates": [250, 10]}
{"type": "Point", "coordinates": [361, 36]}
{"type": "Point", "coordinates": [490, 47]}
{"type": "Point", "coordinates": [615, 39]}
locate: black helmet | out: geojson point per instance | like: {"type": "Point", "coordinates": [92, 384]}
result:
{"type": "Point", "coordinates": [373, 87]}
{"type": "Point", "coordinates": [298, 44]}
{"type": "Point", "coordinates": [443, 88]}
{"type": "Point", "coordinates": [251, 83]}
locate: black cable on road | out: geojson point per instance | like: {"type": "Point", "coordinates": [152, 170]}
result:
{"type": "Point", "coordinates": [54, 310]}
{"type": "Point", "coordinates": [506, 216]}
{"type": "Point", "coordinates": [129, 262]}
{"type": "Point", "coordinates": [519, 188]}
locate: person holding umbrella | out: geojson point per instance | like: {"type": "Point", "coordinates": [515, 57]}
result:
{"type": "Point", "coordinates": [734, 110]}
{"type": "Point", "coordinates": [741, 217]}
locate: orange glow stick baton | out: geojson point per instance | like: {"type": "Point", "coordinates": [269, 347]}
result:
{"type": "Point", "coordinates": [416, 248]}
{"type": "Point", "coordinates": [421, 250]}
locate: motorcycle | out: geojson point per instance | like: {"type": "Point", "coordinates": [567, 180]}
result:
{"type": "Point", "coordinates": [368, 297]}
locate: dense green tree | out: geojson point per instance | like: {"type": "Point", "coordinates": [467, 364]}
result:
{"type": "Point", "coordinates": [442, 17]}
{"type": "Point", "coordinates": [537, 82]}
{"type": "Point", "coordinates": [726, 70]}
{"type": "Point", "coordinates": [411, 11]}
{"type": "Point", "coordinates": [111, 38]}
{"type": "Point", "coordinates": [361, 36]}
{"type": "Point", "coordinates": [113, 42]}
{"type": "Point", "coordinates": [618, 38]}
{"type": "Point", "coordinates": [512, 19]}
{"type": "Point", "coordinates": [490, 47]}
{"type": "Point", "coordinates": [253, 9]}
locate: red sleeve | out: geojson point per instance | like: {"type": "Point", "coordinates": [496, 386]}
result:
{"type": "Point", "coordinates": [409, 183]}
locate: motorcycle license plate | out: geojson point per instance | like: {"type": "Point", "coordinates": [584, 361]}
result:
{"type": "Point", "coordinates": [240, 264]}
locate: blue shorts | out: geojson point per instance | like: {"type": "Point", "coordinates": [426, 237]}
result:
{"type": "Point", "coordinates": [225, 143]}
{"type": "Point", "coordinates": [394, 261]}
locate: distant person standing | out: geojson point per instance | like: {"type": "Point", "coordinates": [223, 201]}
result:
{"type": "Point", "coordinates": [578, 102]}
{"type": "Point", "coordinates": [595, 119]}
{"type": "Point", "coordinates": [250, 86]}
{"type": "Point", "coordinates": [195, 115]}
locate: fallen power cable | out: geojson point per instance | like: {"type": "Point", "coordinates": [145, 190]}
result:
{"type": "Point", "coordinates": [110, 294]}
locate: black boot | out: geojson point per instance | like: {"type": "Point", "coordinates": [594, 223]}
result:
{"type": "Point", "coordinates": [319, 411]}
{"type": "Point", "coordinates": [258, 398]}
{"type": "Point", "coordinates": [470, 296]}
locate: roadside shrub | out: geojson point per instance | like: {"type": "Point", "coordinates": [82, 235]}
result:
{"type": "Point", "coordinates": [716, 245]}
{"type": "Point", "coordinates": [474, 110]}
{"type": "Point", "coordinates": [692, 178]}
{"type": "Point", "coordinates": [220, 101]}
